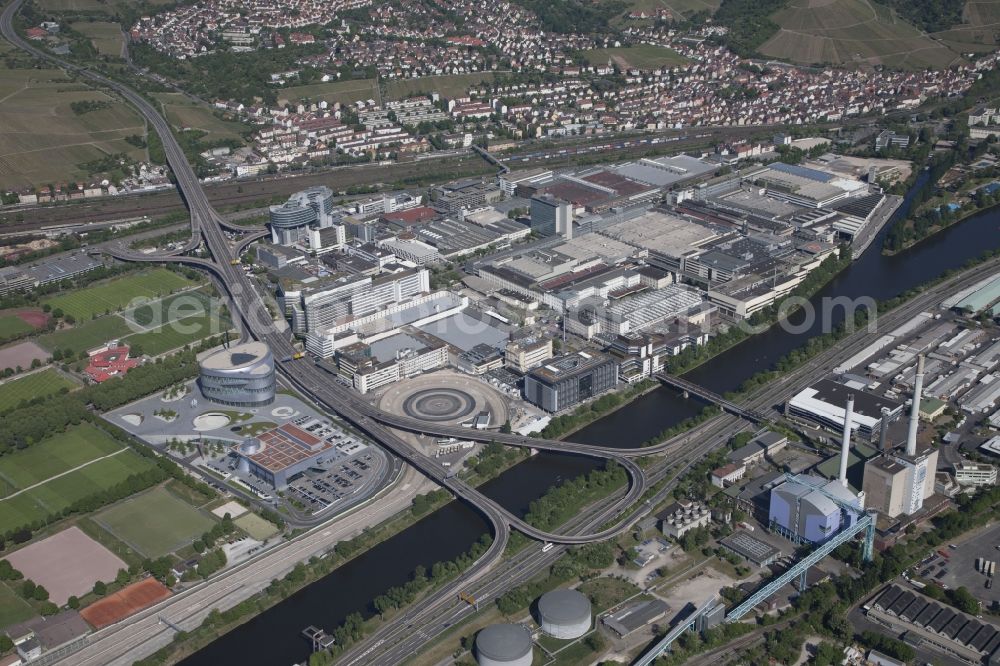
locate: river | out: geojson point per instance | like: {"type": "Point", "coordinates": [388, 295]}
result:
{"type": "Point", "coordinates": [273, 637]}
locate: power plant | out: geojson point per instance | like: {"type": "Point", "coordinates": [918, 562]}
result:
{"type": "Point", "coordinates": [897, 483]}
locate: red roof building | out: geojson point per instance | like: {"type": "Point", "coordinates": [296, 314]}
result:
{"type": "Point", "coordinates": [109, 363]}
{"type": "Point", "coordinates": [36, 33]}
{"type": "Point", "coordinates": [411, 216]}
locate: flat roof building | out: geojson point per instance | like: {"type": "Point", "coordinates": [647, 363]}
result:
{"type": "Point", "coordinates": [569, 380]}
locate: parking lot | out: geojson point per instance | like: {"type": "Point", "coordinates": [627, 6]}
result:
{"type": "Point", "coordinates": [320, 488]}
{"type": "Point", "coordinates": [959, 569]}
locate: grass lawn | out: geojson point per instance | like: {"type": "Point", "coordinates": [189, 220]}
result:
{"type": "Point", "coordinates": [106, 37]}
{"type": "Point", "coordinates": [155, 522]}
{"type": "Point", "coordinates": [643, 56]}
{"type": "Point", "coordinates": [449, 85]}
{"type": "Point", "coordinates": [36, 385]}
{"type": "Point", "coordinates": [331, 91]}
{"type": "Point", "coordinates": [607, 592]}
{"type": "Point", "coordinates": [42, 140]}
{"type": "Point", "coordinates": [13, 608]}
{"type": "Point", "coordinates": [255, 526]}
{"type": "Point", "coordinates": [184, 113]}
{"type": "Point", "coordinates": [56, 454]}
{"type": "Point", "coordinates": [87, 335]}
{"type": "Point", "coordinates": [12, 326]}
{"type": "Point", "coordinates": [173, 307]}
{"type": "Point", "coordinates": [176, 334]}
{"type": "Point", "coordinates": [117, 293]}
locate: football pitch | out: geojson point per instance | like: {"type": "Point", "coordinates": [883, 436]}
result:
{"type": "Point", "coordinates": [155, 523]}
{"type": "Point", "coordinates": [112, 296]}
{"type": "Point", "coordinates": [36, 385]}
{"type": "Point", "coordinates": [57, 472]}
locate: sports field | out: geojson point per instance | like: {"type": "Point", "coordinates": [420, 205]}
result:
{"type": "Point", "coordinates": [50, 476]}
{"type": "Point", "coordinates": [176, 334]}
{"type": "Point", "coordinates": [449, 85]}
{"type": "Point", "coordinates": [183, 113]}
{"type": "Point", "coordinates": [106, 37]}
{"type": "Point", "coordinates": [86, 335]}
{"type": "Point", "coordinates": [12, 326]}
{"type": "Point", "coordinates": [344, 92]}
{"type": "Point", "coordinates": [176, 306]}
{"type": "Point", "coordinates": [115, 294]}
{"type": "Point", "coordinates": [36, 385]}
{"type": "Point", "coordinates": [155, 523]}
{"type": "Point", "coordinates": [851, 31]}
{"type": "Point", "coordinates": [42, 140]}
{"type": "Point", "coordinates": [256, 527]}
{"type": "Point", "coordinates": [127, 601]}
{"type": "Point", "coordinates": [13, 608]}
{"type": "Point", "coordinates": [642, 56]}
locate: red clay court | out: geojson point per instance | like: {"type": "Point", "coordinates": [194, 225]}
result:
{"type": "Point", "coordinates": [127, 601]}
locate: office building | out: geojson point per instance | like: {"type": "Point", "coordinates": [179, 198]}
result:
{"type": "Point", "coordinates": [525, 355]}
{"type": "Point", "coordinates": [975, 474]}
{"type": "Point", "coordinates": [290, 222]}
{"type": "Point", "coordinates": [551, 216]}
{"type": "Point", "coordinates": [569, 380]}
{"type": "Point", "coordinates": [822, 404]}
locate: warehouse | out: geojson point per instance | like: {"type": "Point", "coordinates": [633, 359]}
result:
{"type": "Point", "coordinates": [823, 404]}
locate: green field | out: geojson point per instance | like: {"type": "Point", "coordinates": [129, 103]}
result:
{"type": "Point", "coordinates": [118, 293]}
{"type": "Point", "coordinates": [176, 334]}
{"type": "Point", "coordinates": [448, 85]}
{"type": "Point", "coordinates": [13, 608]}
{"type": "Point", "coordinates": [184, 113]}
{"type": "Point", "coordinates": [36, 385]}
{"type": "Point", "coordinates": [12, 326]}
{"type": "Point", "coordinates": [87, 335]}
{"type": "Point", "coordinates": [155, 523]}
{"type": "Point", "coordinates": [978, 31]}
{"type": "Point", "coordinates": [344, 92]}
{"type": "Point", "coordinates": [852, 32]}
{"type": "Point", "coordinates": [43, 141]}
{"type": "Point", "coordinates": [176, 306]}
{"type": "Point", "coordinates": [255, 526]}
{"type": "Point", "coordinates": [106, 37]}
{"type": "Point", "coordinates": [643, 56]}
{"type": "Point", "coordinates": [55, 455]}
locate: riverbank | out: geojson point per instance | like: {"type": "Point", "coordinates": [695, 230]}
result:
{"type": "Point", "coordinates": [938, 228]}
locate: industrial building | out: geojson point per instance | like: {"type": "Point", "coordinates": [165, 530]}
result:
{"type": "Point", "coordinates": [525, 355]}
{"type": "Point", "coordinates": [388, 360]}
{"type": "Point", "coordinates": [504, 645]}
{"type": "Point", "coordinates": [809, 508]}
{"type": "Point", "coordinates": [975, 474]}
{"type": "Point", "coordinates": [930, 624]}
{"type": "Point", "coordinates": [569, 380]}
{"type": "Point", "coordinates": [683, 516]}
{"type": "Point", "coordinates": [635, 616]}
{"type": "Point", "coordinates": [239, 376]}
{"type": "Point", "coordinates": [750, 548]}
{"type": "Point", "coordinates": [822, 404]}
{"type": "Point", "coordinates": [564, 614]}
{"type": "Point", "coordinates": [898, 482]}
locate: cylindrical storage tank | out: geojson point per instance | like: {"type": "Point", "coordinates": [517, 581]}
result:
{"type": "Point", "coordinates": [564, 614]}
{"type": "Point", "coordinates": [504, 645]}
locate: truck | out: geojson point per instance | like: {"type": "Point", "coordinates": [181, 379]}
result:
{"type": "Point", "coordinates": [993, 569]}
{"type": "Point", "coordinates": [294, 357]}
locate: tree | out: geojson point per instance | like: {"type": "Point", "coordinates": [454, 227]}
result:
{"type": "Point", "coordinates": [28, 589]}
{"type": "Point", "coordinates": [40, 593]}
{"type": "Point", "coordinates": [73, 603]}
{"type": "Point", "coordinates": [100, 589]}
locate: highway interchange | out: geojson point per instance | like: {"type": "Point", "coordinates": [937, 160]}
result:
{"type": "Point", "coordinates": [434, 615]}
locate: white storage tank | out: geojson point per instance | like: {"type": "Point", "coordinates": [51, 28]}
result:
{"type": "Point", "coordinates": [564, 614]}
{"type": "Point", "coordinates": [504, 645]}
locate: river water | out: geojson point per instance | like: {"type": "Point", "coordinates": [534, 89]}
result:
{"type": "Point", "coordinates": [273, 637]}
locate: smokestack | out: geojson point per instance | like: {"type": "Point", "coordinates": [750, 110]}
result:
{"type": "Point", "coordinates": [918, 388]}
{"type": "Point", "coordinates": [883, 433]}
{"type": "Point", "coordinates": [845, 442]}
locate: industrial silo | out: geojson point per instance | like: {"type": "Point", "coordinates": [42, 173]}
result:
{"type": "Point", "coordinates": [564, 614]}
{"type": "Point", "coordinates": [504, 645]}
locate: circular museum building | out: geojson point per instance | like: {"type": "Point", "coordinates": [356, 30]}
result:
{"type": "Point", "coordinates": [240, 376]}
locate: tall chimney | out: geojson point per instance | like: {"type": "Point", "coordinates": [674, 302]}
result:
{"type": "Point", "coordinates": [918, 389]}
{"type": "Point", "coordinates": [845, 442]}
{"type": "Point", "coordinates": [883, 433]}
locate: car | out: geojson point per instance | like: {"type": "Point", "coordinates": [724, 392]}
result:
{"type": "Point", "coordinates": [953, 546]}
